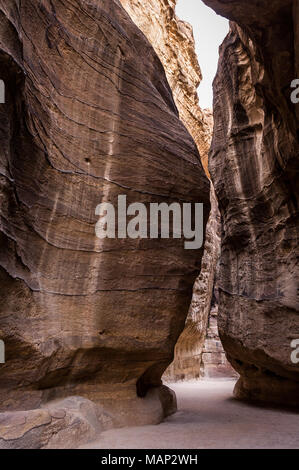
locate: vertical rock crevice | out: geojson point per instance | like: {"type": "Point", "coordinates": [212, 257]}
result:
{"type": "Point", "coordinates": [174, 43]}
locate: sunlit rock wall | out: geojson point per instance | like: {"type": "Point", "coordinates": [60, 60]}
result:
{"type": "Point", "coordinates": [173, 41]}
{"type": "Point", "coordinates": [189, 348]}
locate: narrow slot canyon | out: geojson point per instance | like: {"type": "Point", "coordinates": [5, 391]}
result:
{"type": "Point", "coordinates": [130, 340]}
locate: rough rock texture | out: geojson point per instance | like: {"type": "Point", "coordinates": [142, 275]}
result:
{"type": "Point", "coordinates": [213, 360]}
{"type": "Point", "coordinates": [189, 348]}
{"type": "Point", "coordinates": [89, 115]}
{"type": "Point", "coordinates": [173, 41]}
{"type": "Point", "coordinates": [66, 424]}
{"type": "Point", "coordinates": [75, 421]}
{"type": "Point", "coordinates": [214, 363]}
{"type": "Point", "coordinates": [199, 352]}
{"type": "Point", "coordinates": [254, 168]}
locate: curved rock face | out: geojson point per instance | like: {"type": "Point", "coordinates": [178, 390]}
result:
{"type": "Point", "coordinates": [173, 41]}
{"type": "Point", "coordinates": [189, 348]}
{"type": "Point", "coordinates": [254, 168]}
{"type": "Point", "coordinates": [89, 116]}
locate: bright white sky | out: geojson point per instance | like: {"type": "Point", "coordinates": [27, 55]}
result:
{"type": "Point", "coordinates": [209, 31]}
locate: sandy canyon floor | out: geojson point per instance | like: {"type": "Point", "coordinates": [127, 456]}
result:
{"type": "Point", "coordinates": [209, 418]}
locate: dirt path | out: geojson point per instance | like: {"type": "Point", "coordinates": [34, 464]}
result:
{"type": "Point", "coordinates": [209, 418]}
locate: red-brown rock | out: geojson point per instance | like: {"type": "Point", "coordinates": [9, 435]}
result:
{"type": "Point", "coordinates": [89, 115]}
{"type": "Point", "coordinates": [254, 168]}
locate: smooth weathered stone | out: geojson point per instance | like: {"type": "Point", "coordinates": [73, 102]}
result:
{"type": "Point", "coordinates": [89, 115]}
{"type": "Point", "coordinates": [174, 43]}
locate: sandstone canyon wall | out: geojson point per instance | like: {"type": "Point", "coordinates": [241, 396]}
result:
{"type": "Point", "coordinates": [90, 325]}
{"type": "Point", "coordinates": [254, 168]}
{"type": "Point", "coordinates": [89, 115]}
{"type": "Point", "coordinates": [174, 43]}
{"type": "Point", "coordinates": [214, 363]}
{"type": "Point", "coordinates": [187, 364]}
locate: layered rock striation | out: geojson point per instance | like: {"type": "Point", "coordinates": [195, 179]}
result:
{"type": "Point", "coordinates": [190, 345]}
{"type": "Point", "coordinates": [89, 116]}
{"type": "Point", "coordinates": [174, 43]}
{"type": "Point", "coordinates": [254, 168]}
{"type": "Point", "coordinates": [213, 362]}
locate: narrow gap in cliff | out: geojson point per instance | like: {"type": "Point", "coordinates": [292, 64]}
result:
{"type": "Point", "coordinates": [209, 31]}
{"type": "Point", "coordinates": [199, 352]}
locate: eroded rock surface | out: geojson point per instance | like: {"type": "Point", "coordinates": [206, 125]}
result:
{"type": "Point", "coordinates": [214, 363]}
{"type": "Point", "coordinates": [254, 168]}
{"type": "Point", "coordinates": [66, 424]}
{"type": "Point", "coordinates": [89, 115]}
{"type": "Point", "coordinates": [174, 43]}
{"type": "Point", "coordinates": [189, 348]}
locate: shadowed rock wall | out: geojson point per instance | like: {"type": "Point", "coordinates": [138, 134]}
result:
{"type": "Point", "coordinates": [214, 363]}
{"type": "Point", "coordinates": [254, 168]}
{"type": "Point", "coordinates": [174, 43]}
